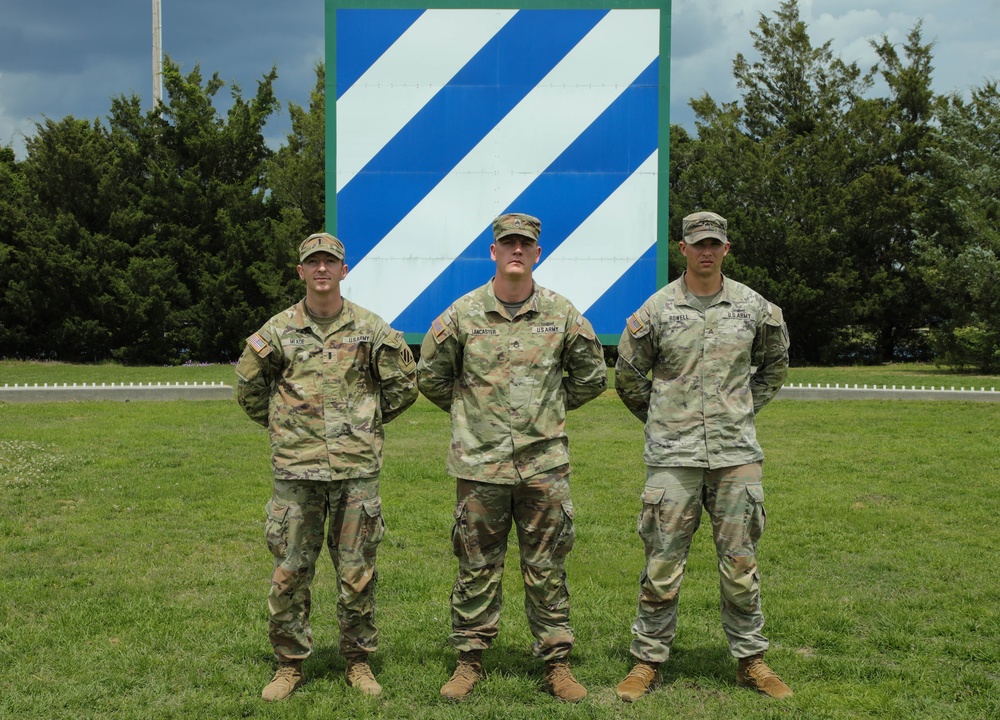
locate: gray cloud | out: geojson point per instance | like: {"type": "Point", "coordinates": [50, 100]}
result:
{"type": "Point", "coordinates": [61, 58]}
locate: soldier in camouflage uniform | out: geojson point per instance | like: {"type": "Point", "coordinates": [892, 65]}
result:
{"type": "Point", "coordinates": [323, 377]}
{"type": "Point", "coordinates": [718, 353]}
{"type": "Point", "coordinates": [496, 361]}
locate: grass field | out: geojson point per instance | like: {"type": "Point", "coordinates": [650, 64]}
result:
{"type": "Point", "coordinates": [136, 569]}
{"type": "Point", "coordinates": [28, 372]}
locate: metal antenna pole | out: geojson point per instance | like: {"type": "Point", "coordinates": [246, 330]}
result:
{"type": "Point", "coordinates": [157, 56]}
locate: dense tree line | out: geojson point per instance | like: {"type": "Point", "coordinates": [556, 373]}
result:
{"type": "Point", "coordinates": [167, 236]}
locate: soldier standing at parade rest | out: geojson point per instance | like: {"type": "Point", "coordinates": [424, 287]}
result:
{"type": "Point", "coordinates": [323, 377]}
{"type": "Point", "coordinates": [718, 352]}
{"type": "Point", "coordinates": [507, 361]}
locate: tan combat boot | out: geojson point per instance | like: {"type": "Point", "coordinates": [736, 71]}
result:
{"type": "Point", "coordinates": [643, 677]}
{"type": "Point", "coordinates": [560, 682]}
{"type": "Point", "coordinates": [288, 677]}
{"type": "Point", "coordinates": [358, 675]}
{"type": "Point", "coordinates": [752, 672]}
{"type": "Point", "coordinates": [468, 672]}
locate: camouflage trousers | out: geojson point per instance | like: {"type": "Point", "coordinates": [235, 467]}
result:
{"type": "Point", "coordinates": [541, 509]}
{"type": "Point", "coordinates": [296, 517]}
{"type": "Point", "coordinates": [672, 504]}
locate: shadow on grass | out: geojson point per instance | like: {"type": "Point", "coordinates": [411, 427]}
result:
{"type": "Point", "coordinates": [706, 662]}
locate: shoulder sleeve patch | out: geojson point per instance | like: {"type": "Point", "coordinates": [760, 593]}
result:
{"type": "Point", "coordinates": [584, 328]}
{"type": "Point", "coordinates": [406, 355]}
{"type": "Point", "coordinates": [439, 329]}
{"type": "Point", "coordinates": [397, 341]}
{"type": "Point", "coordinates": [259, 345]}
{"type": "Point", "coordinates": [775, 316]}
{"type": "Point", "coordinates": [636, 325]}
{"type": "Point", "coordinates": [394, 339]}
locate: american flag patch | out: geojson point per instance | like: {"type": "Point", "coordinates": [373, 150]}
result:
{"type": "Point", "coordinates": [439, 330]}
{"type": "Point", "coordinates": [257, 343]}
{"type": "Point", "coordinates": [635, 325]}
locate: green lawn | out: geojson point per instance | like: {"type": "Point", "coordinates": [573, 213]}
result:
{"type": "Point", "coordinates": [23, 372]}
{"type": "Point", "coordinates": [893, 374]}
{"type": "Point", "coordinates": [28, 372]}
{"type": "Point", "coordinates": [136, 570]}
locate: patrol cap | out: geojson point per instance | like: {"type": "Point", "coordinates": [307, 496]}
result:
{"type": "Point", "coordinates": [321, 242]}
{"type": "Point", "coordinates": [700, 225]}
{"type": "Point", "coordinates": [517, 224]}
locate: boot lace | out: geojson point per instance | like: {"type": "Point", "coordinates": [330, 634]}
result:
{"type": "Point", "coordinates": [643, 672]}
{"type": "Point", "coordinates": [359, 671]}
{"type": "Point", "coordinates": [286, 671]}
{"type": "Point", "coordinates": [560, 672]}
{"type": "Point", "coordinates": [760, 671]}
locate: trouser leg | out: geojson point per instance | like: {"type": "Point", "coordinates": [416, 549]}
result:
{"type": "Point", "coordinates": [356, 529]}
{"type": "Point", "coordinates": [296, 514]}
{"type": "Point", "coordinates": [479, 541]}
{"type": "Point", "coordinates": [734, 498]}
{"type": "Point", "coordinates": [543, 515]}
{"type": "Point", "coordinates": [670, 515]}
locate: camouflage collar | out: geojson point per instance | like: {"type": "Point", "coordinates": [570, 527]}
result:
{"type": "Point", "coordinates": [683, 296]}
{"type": "Point", "coordinates": [530, 305]}
{"type": "Point", "coordinates": [302, 321]}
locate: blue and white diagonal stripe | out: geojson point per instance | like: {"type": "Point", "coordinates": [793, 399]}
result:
{"type": "Point", "coordinates": [447, 118]}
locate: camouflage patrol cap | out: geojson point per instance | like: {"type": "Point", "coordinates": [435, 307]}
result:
{"type": "Point", "coordinates": [517, 224]}
{"type": "Point", "coordinates": [700, 225]}
{"type": "Point", "coordinates": [321, 242]}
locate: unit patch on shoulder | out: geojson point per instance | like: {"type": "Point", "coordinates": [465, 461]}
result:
{"type": "Point", "coordinates": [635, 325]}
{"type": "Point", "coordinates": [259, 345]}
{"type": "Point", "coordinates": [406, 356]}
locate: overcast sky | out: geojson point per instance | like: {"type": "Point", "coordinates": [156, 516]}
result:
{"type": "Point", "coordinates": [60, 58]}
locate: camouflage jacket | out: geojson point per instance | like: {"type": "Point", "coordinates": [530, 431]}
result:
{"type": "Point", "coordinates": [712, 371]}
{"type": "Point", "coordinates": [502, 380]}
{"type": "Point", "coordinates": [324, 399]}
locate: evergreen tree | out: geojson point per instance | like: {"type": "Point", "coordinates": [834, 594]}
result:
{"type": "Point", "coordinates": [197, 215]}
{"type": "Point", "coordinates": [819, 182]}
{"type": "Point", "coordinates": [12, 221]}
{"type": "Point", "coordinates": [296, 175]}
{"type": "Point", "coordinates": [58, 298]}
{"type": "Point", "coordinates": [890, 145]}
{"type": "Point", "coordinates": [959, 226]}
{"type": "Point", "coordinates": [775, 166]}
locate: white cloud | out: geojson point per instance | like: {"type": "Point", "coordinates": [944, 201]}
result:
{"type": "Point", "coordinates": [706, 37]}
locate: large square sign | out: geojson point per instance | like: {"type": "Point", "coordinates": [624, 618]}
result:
{"type": "Point", "coordinates": [447, 116]}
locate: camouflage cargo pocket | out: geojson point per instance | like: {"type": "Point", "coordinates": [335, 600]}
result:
{"type": "Point", "coordinates": [648, 525]}
{"type": "Point", "coordinates": [276, 528]}
{"type": "Point", "coordinates": [374, 524]}
{"type": "Point", "coordinates": [567, 532]}
{"type": "Point", "coordinates": [756, 518]}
